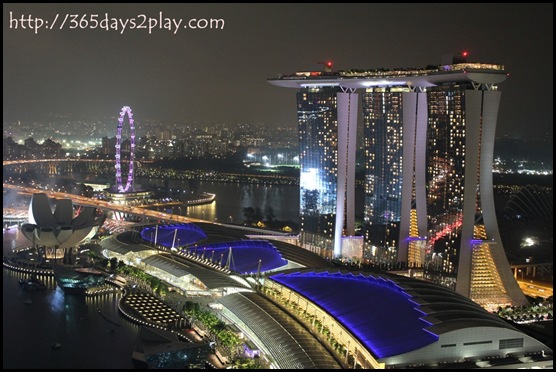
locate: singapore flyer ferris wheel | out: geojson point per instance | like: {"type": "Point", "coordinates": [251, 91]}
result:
{"type": "Point", "coordinates": [129, 185]}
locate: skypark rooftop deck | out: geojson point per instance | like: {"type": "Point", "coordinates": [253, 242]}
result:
{"type": "Point", "coordinates": [483, 73]}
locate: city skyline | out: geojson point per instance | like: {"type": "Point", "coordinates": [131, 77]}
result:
{"type": "Point", "coordinates": [170, 76]}
{"type": "Point", "coordinates": [419, 133]}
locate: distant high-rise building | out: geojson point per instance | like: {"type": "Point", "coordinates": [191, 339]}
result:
{"type": "Point", "coordinates": [429, 137]}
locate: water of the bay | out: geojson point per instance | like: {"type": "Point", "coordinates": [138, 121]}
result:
{"type": "Point", "coordinates": [33, 321]}
{"type": "Point", "coordinates": [232, 198]}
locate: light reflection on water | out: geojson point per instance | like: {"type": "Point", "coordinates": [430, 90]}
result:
{"type": "Point", "coordinates": [13, 238]}
{"type": "Point", "coordinates": [56, 300]}
{"type": "Point", "coordinates": [34, 320]}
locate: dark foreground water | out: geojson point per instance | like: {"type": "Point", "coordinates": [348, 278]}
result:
{"type": "Point", "coordinates": [88, 339]}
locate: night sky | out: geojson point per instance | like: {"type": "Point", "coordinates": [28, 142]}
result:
{"type": "Point", "coordinates": [213, 76]}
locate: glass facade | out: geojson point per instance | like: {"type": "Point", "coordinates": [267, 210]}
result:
{"type": "Point", "coordinates": [318, 126]}
{"type": "Point", "coordinates": [445, 160]}
{"type": "Point", "coordinates": [445, 175]}
{"type": "Point", "coordinates": [383, 134]}
{"type": "Point", "coordinates": [446, 149]}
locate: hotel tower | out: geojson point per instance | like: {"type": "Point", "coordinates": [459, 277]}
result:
{"type": "Point", "coordinates": [429, 142]}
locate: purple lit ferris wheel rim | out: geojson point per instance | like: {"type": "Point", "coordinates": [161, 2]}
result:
{"type": "Point", "coordinates": [129, 185]}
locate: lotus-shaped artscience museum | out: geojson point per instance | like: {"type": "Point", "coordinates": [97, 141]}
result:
{"type": "Point", "coordinates": [61, 229]}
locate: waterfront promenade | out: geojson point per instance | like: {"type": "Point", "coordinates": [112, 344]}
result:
{"type": "Point", "coordinates": [114, 310]}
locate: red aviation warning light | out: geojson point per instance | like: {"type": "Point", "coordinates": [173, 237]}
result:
{"type": "Point", "coordinates": [464, 56]}
{"type": "Point", "coordinates": [460, 57]}
{"type": "Point", "coordinates": [327, 66]}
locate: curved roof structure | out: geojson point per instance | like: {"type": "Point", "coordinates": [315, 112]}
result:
{"type": "Point", "coordinates": [122, 245]}
{"type": "Point", "coordinates": [210, 278]}
{"type": "Point", "coordinates": [392, 315]}
{"type": "Point", "coordinates": [289, 343]}
{"type": "Point", "coordinates": [219, 233]}
{"type": "Point", "coordinates": [532, 202]}
{"type": "Point", "coordinates": [385, 333]}
{"type": "Point", "coordinates": [301, 256]}
{"type": "Point", "coordinates": [246, 255]}
{"type": "Point", "coordinates": [174, 234]}
{"type": "Point", "coordinates": [391, 320]}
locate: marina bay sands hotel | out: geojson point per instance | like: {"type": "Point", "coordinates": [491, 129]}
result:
{"type": "Point", "coordinates": [428, 142]}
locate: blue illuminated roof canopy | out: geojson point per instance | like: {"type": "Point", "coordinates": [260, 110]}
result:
{"type": "Point", "coordinates": [376, 311]}
{"type": "Point", "coordinates": [184, 234]}
{"type": "Point", "coordinates": [245, 255]}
